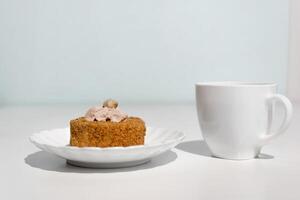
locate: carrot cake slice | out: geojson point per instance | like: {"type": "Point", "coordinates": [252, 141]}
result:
{"type": "Point", "coordinates": [107, 126]}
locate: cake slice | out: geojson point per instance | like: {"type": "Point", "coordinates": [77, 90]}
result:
{"type": "Point", "coordinates": [107, 126]}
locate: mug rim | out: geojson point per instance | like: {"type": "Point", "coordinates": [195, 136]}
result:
{"type": "Point", "coordinates": [236, 84]}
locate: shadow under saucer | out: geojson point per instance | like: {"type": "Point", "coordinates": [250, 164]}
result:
{"type": "Point", "coordinates": [50, 162]}
{"type": "Point", "coordinates": [264, 156]}
{"type": "Point", "coordinates": [199, 147]}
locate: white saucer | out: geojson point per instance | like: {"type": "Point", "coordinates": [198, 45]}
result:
{"type": "Point", "coordinates": [157, 141]}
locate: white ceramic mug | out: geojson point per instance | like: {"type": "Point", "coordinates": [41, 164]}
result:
{"type": "Point", "coordinates": [235, 117]}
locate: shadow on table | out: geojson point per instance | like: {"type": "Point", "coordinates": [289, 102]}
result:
{"type": "Point", "coordinates": [199, 147]}
{"type": "Point", "coordinates": [46, 161]}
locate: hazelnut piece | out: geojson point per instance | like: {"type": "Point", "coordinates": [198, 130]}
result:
{"type": "Point", "coordinates": [110, 103]}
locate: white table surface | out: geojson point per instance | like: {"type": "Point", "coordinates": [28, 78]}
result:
{"type": "Point", "coordinates": [187, 172]}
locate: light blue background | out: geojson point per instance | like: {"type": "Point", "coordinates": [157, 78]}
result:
{"type": "Point", "coordinates": [137, 50]}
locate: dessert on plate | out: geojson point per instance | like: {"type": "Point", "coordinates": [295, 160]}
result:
{"type": "Point", "coordinates": [107, 126]}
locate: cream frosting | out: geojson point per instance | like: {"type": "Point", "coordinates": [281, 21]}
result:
{"type": "Point", "coordinates": [99, 113]}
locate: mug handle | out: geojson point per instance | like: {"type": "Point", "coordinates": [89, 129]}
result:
{"type": "Point", "coordinates": [288, 108]}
